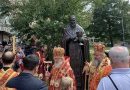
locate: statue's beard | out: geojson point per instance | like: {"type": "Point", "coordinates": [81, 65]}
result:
{"type": "Point", "coordinates": [73, 25]}
{"type": "Point", "coordinates": [58, 64]}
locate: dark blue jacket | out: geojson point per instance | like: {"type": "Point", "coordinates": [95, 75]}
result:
{"type": "Point", "coordinates": [26, 81]}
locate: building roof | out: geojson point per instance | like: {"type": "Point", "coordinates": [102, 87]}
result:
{"type": "Point", "coordinates": [7, 33]}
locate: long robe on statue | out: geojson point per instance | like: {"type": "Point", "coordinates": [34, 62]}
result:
{"type": "Point", "coordinates": [5, 76]}
{"type": "Point", "coordinates": [65, 74]}
{"type": "Point", "coordinates": [78, 53]}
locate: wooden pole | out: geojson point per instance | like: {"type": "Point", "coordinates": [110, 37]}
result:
{"type": "Point", "coordinates": [85, 83]}
{"type": "Point", "coordinates": [14, 44]}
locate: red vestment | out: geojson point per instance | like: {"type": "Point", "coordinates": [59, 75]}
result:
{"type": "Point", "coordinates": [95, 76]}
{"type": "Point", "coordinates": [57, 73]}
{"type": "Point", "coordinates": [41, 69]}
{"type": "Point", "coordinates": [7, 75]}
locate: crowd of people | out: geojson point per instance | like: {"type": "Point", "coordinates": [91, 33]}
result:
{"type": "Point", "coordinates": [22, 67]}
{"type": "Point", "coordinates": [71, 68]}
{"type": "Point", "coordinates": [28, 72]}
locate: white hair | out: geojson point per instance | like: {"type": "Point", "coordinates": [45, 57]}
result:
{"type": "Point", "coordinates": [119, 53]}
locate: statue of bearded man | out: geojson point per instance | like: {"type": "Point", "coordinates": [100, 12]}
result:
{"type": "Point", "coordinates": [76, 47]}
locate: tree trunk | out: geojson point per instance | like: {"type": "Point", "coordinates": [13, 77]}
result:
{"type": "Point", "coordinates": [110, 36]}
{"type": "Point", "coordinates": [111, 39]}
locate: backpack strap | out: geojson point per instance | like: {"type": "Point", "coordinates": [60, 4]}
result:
{"type": "Point", "coordinates": [113, 82]}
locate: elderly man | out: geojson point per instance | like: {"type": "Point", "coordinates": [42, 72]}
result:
{"type": "Point", "coordinates": [99, 67]}
{"type": "Point", "coordinates": [119, 79]}
{"type": "Point", "coordinates": [62, 77]}
{"type": "Point", "coordinates": [7, 72]}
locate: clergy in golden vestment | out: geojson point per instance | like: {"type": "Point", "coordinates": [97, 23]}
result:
{"type": "Point", "coordinates": [7, 72]}
{"type": "Point", "coordinates": [98, 68]}
{"type": "Point", "coordinates": [62, 76]}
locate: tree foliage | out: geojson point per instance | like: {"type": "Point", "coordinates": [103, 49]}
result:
{"type": "Point", "coordinates": [50, 16]}
{"type": "Point", "coordinates": [109, 20]}
{"type": "Point", "coordinates": [45, 19]}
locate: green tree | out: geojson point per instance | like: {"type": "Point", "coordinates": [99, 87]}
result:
{"type": "Point", "coordinates": [50, 15]}
{"type": "Point", "coordinates": [109, 20]}
{"type": "Point", "coordinates": [45, 18]}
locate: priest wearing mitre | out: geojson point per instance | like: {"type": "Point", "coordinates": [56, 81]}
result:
{"type": "Point", "coordinates": [99, 67]}
{"type": "Point", "coordinates": [62, 76]}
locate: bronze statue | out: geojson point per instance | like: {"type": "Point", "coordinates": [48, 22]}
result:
{"type": "Point", "coordinates": [77, 47]}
